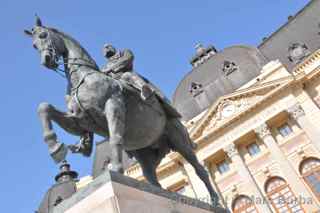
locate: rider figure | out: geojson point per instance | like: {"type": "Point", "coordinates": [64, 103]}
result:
{"type": "Point", "coordinates": [120, 66]}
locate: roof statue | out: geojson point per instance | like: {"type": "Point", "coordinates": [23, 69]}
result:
{"type": "Point", "coordinates": [117, 104]}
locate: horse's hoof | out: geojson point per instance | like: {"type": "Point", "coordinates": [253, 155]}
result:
{"type": "Point", "coordinates": [59, 152]}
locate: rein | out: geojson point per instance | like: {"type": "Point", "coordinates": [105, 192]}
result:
{"type": "Point", "coordinates": [68, 63]}
{"type": "Point", "coordinates": [60, 71]}
{"type": "Point", "coordinates": [53, 50]}
{"type": "Point", "coordinates": [74, 90]}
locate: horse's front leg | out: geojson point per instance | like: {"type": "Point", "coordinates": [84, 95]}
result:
{"type": "Point", "coordinates": [115, 114]}
{"type": "Point", "coordinates": [49, 113]}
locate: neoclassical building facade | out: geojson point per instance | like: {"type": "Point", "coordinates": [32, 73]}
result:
{"type": "Point", "coordinates": [256, 123]}
{"type": "Point", "coordinates": [260, 144]}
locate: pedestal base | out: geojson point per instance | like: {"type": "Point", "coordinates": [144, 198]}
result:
{"type": "Point", "coordinates": [114, 193]}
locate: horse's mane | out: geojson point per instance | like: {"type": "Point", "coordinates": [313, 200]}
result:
{"type": "Point", "coordinates": [66, 36]}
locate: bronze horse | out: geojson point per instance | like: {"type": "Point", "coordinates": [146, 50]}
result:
{"type": "Point", "coordinates": [102, 105]}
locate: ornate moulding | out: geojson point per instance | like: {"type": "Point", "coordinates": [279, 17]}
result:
{"type": "Point", "coordinates": [242, 102]}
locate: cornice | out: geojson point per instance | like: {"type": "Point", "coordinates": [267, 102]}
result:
{"type": "Point", "coordinates": [306, 64]}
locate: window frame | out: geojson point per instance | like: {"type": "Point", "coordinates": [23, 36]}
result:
{"type": "Point", "coordinates": [220, 164]}
{"type": "Point", "coordinates": [252, 154]}
{"type": "Point", "coordinates": [283, 126]}
{"type": "Point", "coordinates": [245, 207]}
{"type": "Point", "coordinates": [309, 173]}
{"type": "Point", "coordinates": [278, 190]}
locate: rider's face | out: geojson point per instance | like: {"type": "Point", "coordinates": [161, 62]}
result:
{"type": "Point", "coordinates": [108, 52]}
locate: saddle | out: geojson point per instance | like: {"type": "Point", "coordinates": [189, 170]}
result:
{"type": "Point", "coordinates": [170, 111]}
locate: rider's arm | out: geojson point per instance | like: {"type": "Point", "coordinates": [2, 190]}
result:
{"type": "Point", "coordinates": [125, 60]}
{"type": "Point", "coordinates": [140, 83]}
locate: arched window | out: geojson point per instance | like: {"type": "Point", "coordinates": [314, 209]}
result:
{"type": "Point", "coordinates": [310, 170]}
{"type": "Point", "coordinates": [282, 198]}
{"type": "Point", "coordinates": [243, 204]}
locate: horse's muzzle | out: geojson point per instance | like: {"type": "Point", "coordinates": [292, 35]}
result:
{"type": "Point", "coordinates": [48, 60]}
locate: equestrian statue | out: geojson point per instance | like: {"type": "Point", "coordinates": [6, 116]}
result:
{"type": "Point", "coordinates": [115, 103]}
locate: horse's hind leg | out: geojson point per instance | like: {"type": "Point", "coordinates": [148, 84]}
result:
{"type": "Point", "coordinates": [115, 114]}
{"type": "Point", "coordinates": [180, 142]}
{"type": "Point", "coordinates": [148, 161]}
{"type": "Point", "coordinates": [47, 114]}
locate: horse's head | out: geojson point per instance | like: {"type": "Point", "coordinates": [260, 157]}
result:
{"type": "Point", "coordinates": [49, 44]}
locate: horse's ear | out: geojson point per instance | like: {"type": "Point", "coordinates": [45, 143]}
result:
{"type": "Point", "coordinates": [38, 21]}
{"type": "Point", "coordinates": [27, 32]}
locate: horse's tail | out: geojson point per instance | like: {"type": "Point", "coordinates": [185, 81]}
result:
{"type": "Point", "coordinates": [176, 123]}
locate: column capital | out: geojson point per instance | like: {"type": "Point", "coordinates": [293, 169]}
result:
{"type": "Point", "coordinates": [263, 130]}
{"type": "Point", "coordinates": [231, 150]}
{"type": "Point", "coordinates": [296, 111]}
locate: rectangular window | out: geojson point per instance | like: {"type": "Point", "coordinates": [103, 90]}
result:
{"type": "Point", "coordinates": [223, 167]}
{"type": "Point", "coordinates": [285, 130]}
{"type": "Point", "coordinates": [253, 149]}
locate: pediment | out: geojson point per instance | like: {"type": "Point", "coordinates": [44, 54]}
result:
{"type": "Point", "coordinates": [229, 107]}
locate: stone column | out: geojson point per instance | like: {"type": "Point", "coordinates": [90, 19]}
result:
{"type": "Point", "coordinates": [297, 113]}
{"type": "Point", "coordinates": [214, 184]}
{"type": "Point", "coordinates": [198, 186]}
{"type": "Point", "coordinates": [244, 172]}
{"type": "Point", "coordinates": [291, 175]}
{"type": "Point", "coordinates": [190, 184]}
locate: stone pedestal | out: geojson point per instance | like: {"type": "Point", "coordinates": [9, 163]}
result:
{"type": "Point", "coordinates": [102, 158]}
{"type": "Point", "coordinates": [114, 193]}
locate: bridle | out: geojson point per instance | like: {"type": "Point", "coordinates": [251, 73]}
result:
{"type": "Point", "coordinates": [62, 72]}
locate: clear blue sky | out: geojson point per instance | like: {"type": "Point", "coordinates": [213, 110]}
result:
{"type": "Point", "coordinates": [162, 35]}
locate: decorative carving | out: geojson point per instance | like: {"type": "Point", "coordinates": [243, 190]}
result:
{"type": "Point", "coordinates": [196, 89]}
{"type": "Point", "coordinates": [263, 130]}
{"type": "Point", "coordinates": [297, 52]}
{"type": "Point", "coordinates": [229, 67]}
{"type": "Point", "coordinates": [212, 120]}
{"type": "Point", "coordinates": [202, 54]}
{"type": "Point", "coordinates": [296, 111]}
{"type": "Point", "coordinates": [241, 104]}
{"type": "Point", "coordinates": [266, 171]}
{"type": "Point", "coordinates": [228, 110]}
{"type": "Point", "coordinates": [200, 49]}
{"type": "Point", "coordinates": [231, 150]}
{"type": "Point", "coordinates": [301, 153]}
{"type": "Point", "coordinates": [234, 190]}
